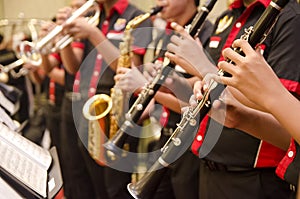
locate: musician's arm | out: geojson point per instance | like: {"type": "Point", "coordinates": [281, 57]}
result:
{"type": "Point", "coordinates": [254, 122]}
{"type": "Point", "coordinates": [264, 126]}
{"type": "Point", "coordinates": [286, 109]}
{"type": "Point", "coordinates": [58, 75]}
{"type": "Point", "coordinates": [49, 62]}
{"type": "Point", "coordinates": [109, 52]}
{"type": "Point", "coordinates": [72, 58]}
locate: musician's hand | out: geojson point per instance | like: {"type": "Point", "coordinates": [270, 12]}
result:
{"type": "Point", "coordinates": [30, 67]}
{"type": "Point", "coordinates": [151, 70]}
{"type": "Point", "coordinates": [62, 15]}
{"type": "Point", "coordinates": [250, 74]}
{"type": "Point", "coordinates": [189, 53]}
{"type": "Point", "coordinates": [46, 28]}
{"type": "Point", "coordinates": [79, 28]}
{"type": "Point", "coordinates": [200, 87]}
{"type": "Point", "coordinates": [130, 79]}
{"type": "Point", "coordinates": [226, 109]}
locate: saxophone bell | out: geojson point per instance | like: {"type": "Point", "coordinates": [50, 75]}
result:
{"type": "Point", "coordinates": [96, 111]}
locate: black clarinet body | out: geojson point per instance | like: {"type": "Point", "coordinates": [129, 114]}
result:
{"type": "Point", "coordinates": [181, 137]}
{"type": "Point", "coordinates": [115, 144]}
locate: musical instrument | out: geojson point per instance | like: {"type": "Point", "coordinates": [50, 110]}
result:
{"type": "Point", "coordinates": [114, 104]}
{"type": "Point", "coordinates": [22, 25]}
{"type": "Point", "coordinates": [96, 110]}
{"type": "Point", "coordinates": [30, 52]}
{"type": "Point", "coordinates": [119, 98]}
{"type": "Point", "coordinates": [182, 134]}
{"type": "Point", "coordinates": [114, 145]}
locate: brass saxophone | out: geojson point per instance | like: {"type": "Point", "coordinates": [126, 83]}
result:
{"type": "Point", "coordinates": [103, 111]}
{"type": "Point", "coordinates": [119, 98]}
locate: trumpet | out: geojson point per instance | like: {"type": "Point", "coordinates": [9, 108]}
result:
{"type": "Point", "coordinates": [30, 52]}
{"type": "Point", "coordinates": [31, 24]}
{"type": "Point", "coordinates": [4, 70]}
{"type": "Point", "coordinates": [182, 135]}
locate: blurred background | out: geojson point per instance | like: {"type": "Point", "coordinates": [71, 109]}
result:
{"type": "Point", "coordinates": [46, 9]}
{"type": "Point", "coordinates": [14, 14]}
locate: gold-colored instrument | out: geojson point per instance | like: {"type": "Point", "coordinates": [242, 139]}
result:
{"type": "Point", "coordinates": [113, 109]}
{"type": "Point", "coordinates": [119, 98]}
{"type": "Point", "coordinates": [96, 110]}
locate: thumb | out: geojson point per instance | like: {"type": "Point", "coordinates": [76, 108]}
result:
{"type": "Point", "coordinates": [178, 28]}
{"type": "Point", "coordinates": [210, 81]}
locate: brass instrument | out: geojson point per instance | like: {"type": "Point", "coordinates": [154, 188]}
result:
{"type": "Point", "coordinates": [96, 110]}
{"type": "Point", "coordinates": [111, 105]}
{"type": "Point", "coordinates": [115, 145]}
{"type": "Point", "coordinates": [118, 97]}
{"type": "Point", "coordinates": [30, 52]}
{"type": "Point", "coordinates": [32, 25]}
{"type": "Point", "coordinates": [182, 136]}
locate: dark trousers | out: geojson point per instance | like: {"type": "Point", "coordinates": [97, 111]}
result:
{"type": "Point", "coordinates": [181, 179]}
{"type": "Point", "coordinates": [96, 173]}
{"type": "Point", "coordinates": [185, 176]}
{"type": "Point", "coordinates": [116, 183]}
{"type": "Point", "coordinates": [77, 182]}
{"type": "Point", "coordinates": [53, 119]}
{"type": "Point", "coordinates": [251, 184]}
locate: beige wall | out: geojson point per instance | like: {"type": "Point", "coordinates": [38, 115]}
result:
{"type": "Point", "coordinates": [1, 9]}
{"type": "Point", "coordinates": [42, 9]}
{"type": "Point", "coordinates": [46, 9]}
{"type": "Point", "coordinates": [145, 5]}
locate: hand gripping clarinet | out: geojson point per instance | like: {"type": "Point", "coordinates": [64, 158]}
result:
{"type": "Point", "coordinates": [115, 144]}
{"type": "Point", "coordinates": [255, 35]}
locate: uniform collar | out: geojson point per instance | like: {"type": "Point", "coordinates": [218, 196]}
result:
{"type": "Point", "coordinates": [119, 7]}
{"type": "Point", "coordinates": [168, 26]}
{"type": "Point", "coordinates": [239, 3]}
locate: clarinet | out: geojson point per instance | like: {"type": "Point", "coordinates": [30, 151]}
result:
{"type": "Point", "coordinates": [115, 144]}
{"type": "Point", "coordinates": [145, 187]}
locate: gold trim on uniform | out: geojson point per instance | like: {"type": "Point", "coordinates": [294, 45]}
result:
{"type": "Point", "coordinates": [223, 24]}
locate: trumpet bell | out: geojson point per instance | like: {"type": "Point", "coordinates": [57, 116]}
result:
{"type": "Point", "coordinates": [29, 54]}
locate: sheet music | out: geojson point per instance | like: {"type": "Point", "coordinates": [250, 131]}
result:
{"type": "Point", "coordinates": [36, 153]}
{"type": "Point", "coordinates": [23, 168]}
{"type": "Point", "coordinates": [5, 118]}
{"type": "Point", "coordinates": [24, 160]}
{"type": "Point", "coordinates": [9, 106]}
{"type": "Point", "coordinates": [7, 192]}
